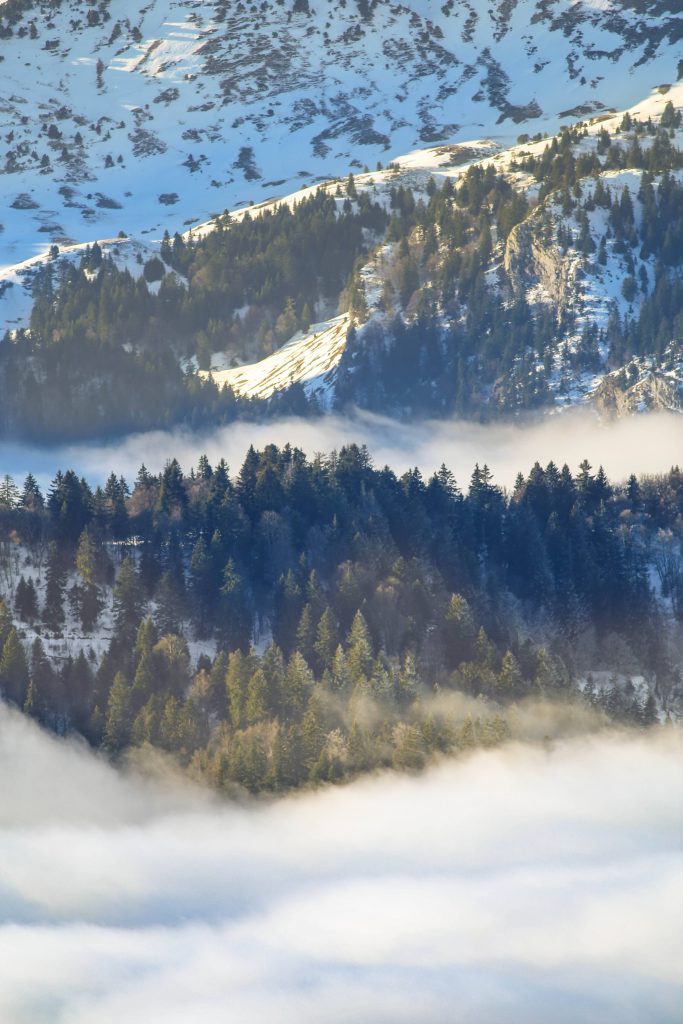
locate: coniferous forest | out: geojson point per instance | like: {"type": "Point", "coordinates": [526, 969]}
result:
{"type": "Point", "coordinates": [311, 710]}
{"type": "Point", "coordinates": [453, 332]}
{"type": "Point", "coordinates": [306, 620]}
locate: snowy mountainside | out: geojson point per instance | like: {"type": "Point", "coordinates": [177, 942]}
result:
{"type": "Point", "coordinates": [121, 117]}
{"type": "Point", "coordinates": [309, 359]}
{"type": "Point", "coordinates": [479, 276]}
{"type": "Point", "coordinates": [540, 263]}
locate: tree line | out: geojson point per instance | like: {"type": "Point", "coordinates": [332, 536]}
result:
{"type": "Point", "coordinates": [331, 601]}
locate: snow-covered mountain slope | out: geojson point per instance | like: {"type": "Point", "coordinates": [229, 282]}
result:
{"type": "Point", "coordinates": [16, 281]}
{"type": "Point", "coordinates": [119, 116]}
{"type": "Point", "coordinates": [308, 359]}
{"type": "Point", "coordinates": [542, 260]}
{"type": "Point", "coordinates": [549, 274]}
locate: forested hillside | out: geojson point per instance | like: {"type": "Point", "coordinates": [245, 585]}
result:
{"type": "Point", "coordinates": [306, 620]}
{"type": "Point", "coordinates": [105, 349]}
{"type": "Point", "coordinates": [471, 282]}
{"type": "Point", "coordinates": [510, 298]}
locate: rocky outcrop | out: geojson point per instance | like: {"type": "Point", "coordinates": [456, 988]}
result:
{"type": "Point", "coordinates": [533, 261]}
{"type": "Point", "coordinates": [653, 392]}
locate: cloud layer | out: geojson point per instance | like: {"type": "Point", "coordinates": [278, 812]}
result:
{"type": "Point", "coordinates": [637, 444]}
{"type": "Point", "coordinates": [524, 884]}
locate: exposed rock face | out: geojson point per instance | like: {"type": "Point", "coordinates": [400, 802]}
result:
{"type": "Point", "coordinates": [533, 261]}
{"type": "Point", "coordinates": [654, 392]}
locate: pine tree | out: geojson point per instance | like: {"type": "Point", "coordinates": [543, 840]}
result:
{"type": "Point", "coordinates": [547, 677]}
{"type": "Point", "coordinates": [86, 559]}
{"type": "Point", "coordinates": [13, 669]}
{"type": "Point", "coordinates": [297, 687]}
{"type": "Point", "coordinates": [649, 715]}
{"type": "Point", "coordinates": [408, 753]}
{"type": "Point", "coordinates": [145, 728]}
{"type": "Point", "coordinates": [287, 612]}
{"type": "Point", "coordinates": [128, 600]}
{"type": "Point", "coordinates": [239, 671]}
{"type": "Point", "coordinates": [77, 681]}
{"type": "Point", "coordinates": [31, 496]}
{"type": "Point", "coordinates": [31, 701]}
{"type": "Point", "coordinates": [359, 649]}
{"type": "Point", "coordinates": [273, 668]}
{"type": "Point", "coordinates": [26, 600]}
{"type": "Point", "coordinates": [41, 678]}
{"type": "Point", "coordinates": [312, 733]}
{"type": "Point", "coordinates": [88, 600]}
{"type": "Point", "coordinates": [202, 586]}
{"type": "Point", "coordinates": [305, 634]}
{"type": "Point", "coordinates": [359, 756]}
{"type": "Point", "coordinates": [340, 674]}
{"type": "Point", "coordinates": [408, 680]}
{"type": "Point", "coordinates": [169, 725]}
{"type": "Point", "coordinates": [9, 492]}
{"type": "Point", "coordinates": [235, 626]}
{"type": "Point", "coordinates": [117, 720]}
{"type": "Point", "coordinates": [53, 611]}
{"type": "Point", "coordinates": [144, 681]}
{"type": "Point", "coordinates": [256, 704]}
{"type": "Point", "coordinates": [459, 632]}
{"type": "Point", "coordinates": [326, 640]}
{"type": "Point", "coordinates": [169, 612]}
{"type": "Point", "coordinates": [5, 621]}
{"type": "Point", "coordinates": [483, 649]}
{"type": "Point", "coordinates": [510, 676]}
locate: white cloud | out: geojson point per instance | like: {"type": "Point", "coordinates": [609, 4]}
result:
{"type": "Point", "coordinates": [637, 444]}
{"type": "Point", "coordinates": [515, 885]}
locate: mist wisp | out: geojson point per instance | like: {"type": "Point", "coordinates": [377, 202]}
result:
{"type": "Point", "coordinates": [648, 443]}
{"type": "Point", "coordinates": [509, 885]}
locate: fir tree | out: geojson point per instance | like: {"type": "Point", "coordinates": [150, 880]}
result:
{"type": "Point", "coordinates": [13, 669]}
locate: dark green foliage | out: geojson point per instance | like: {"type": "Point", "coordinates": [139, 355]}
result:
{"type": "Point", "coordinates": [104, 353]}
{"type": "Point", "coordinates": [388, 587]}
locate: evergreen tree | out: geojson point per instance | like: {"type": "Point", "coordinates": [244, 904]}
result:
{"type": "Point", "coordinates": [460, 632]}
{"type": "Point", "coordinates": [256, 704]}
{"type": "Point", "coordinates": [235, 613]}
{"type": "Point", "coordinates": [203, 586]}
{"type": "Point", "coordinates": [297, 688]}
{"type": "Point", "coordinates": [305, 634]}
{"type": "Point", "coordinates": [239, 671]}
{"type": "Point", "coordinates": [312, 734]}
{"type": "Point", "coordinates": [13, 669]}
{"type": "Point", "coordinates": [510, 677]}
{"type": "Point", "coordinates": [5, 621]}
{"type": "Point", "coordinates": [88, 599]}
{"type": "Point", "coordinates": [128, 600]}
{"type": "Point", "coordinates": [169, 611]}
{"type": "Point", "coordinates": [53, 610]}
{"type": "Point", "coordinates": [359, 649]}
{"type": "Point", "coordinates": [326, 641]}
{"type": "Point", "coordinates": [26, 600]}
{"type": "Point", "coordinates": [117, 722]}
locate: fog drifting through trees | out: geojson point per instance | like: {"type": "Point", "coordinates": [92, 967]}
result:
{"type": "Point", "coordinates": [650, 443]}
{"type": "Point", "coordinates": [483, 885]}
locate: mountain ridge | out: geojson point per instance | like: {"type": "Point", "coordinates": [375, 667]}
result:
{"type": "Point", "coordinates": [532, 293]}
{"type": "Point", "coordinates": [189, 107]}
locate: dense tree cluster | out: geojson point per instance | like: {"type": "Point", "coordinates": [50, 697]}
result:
{"type": "Point", "coordinates": [364, 593]}
{"type": "Point", "coordinates": [104, 352]}
{"type": "Point", "coordinates": [454, 333]}
{"type": "Point", "coordinates": [470, 342]}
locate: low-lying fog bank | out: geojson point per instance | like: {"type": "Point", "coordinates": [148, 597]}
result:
{"type": "Point", "coordinates": [528, 883]}
{"type": "Point", "coordinates": [638, 444]}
